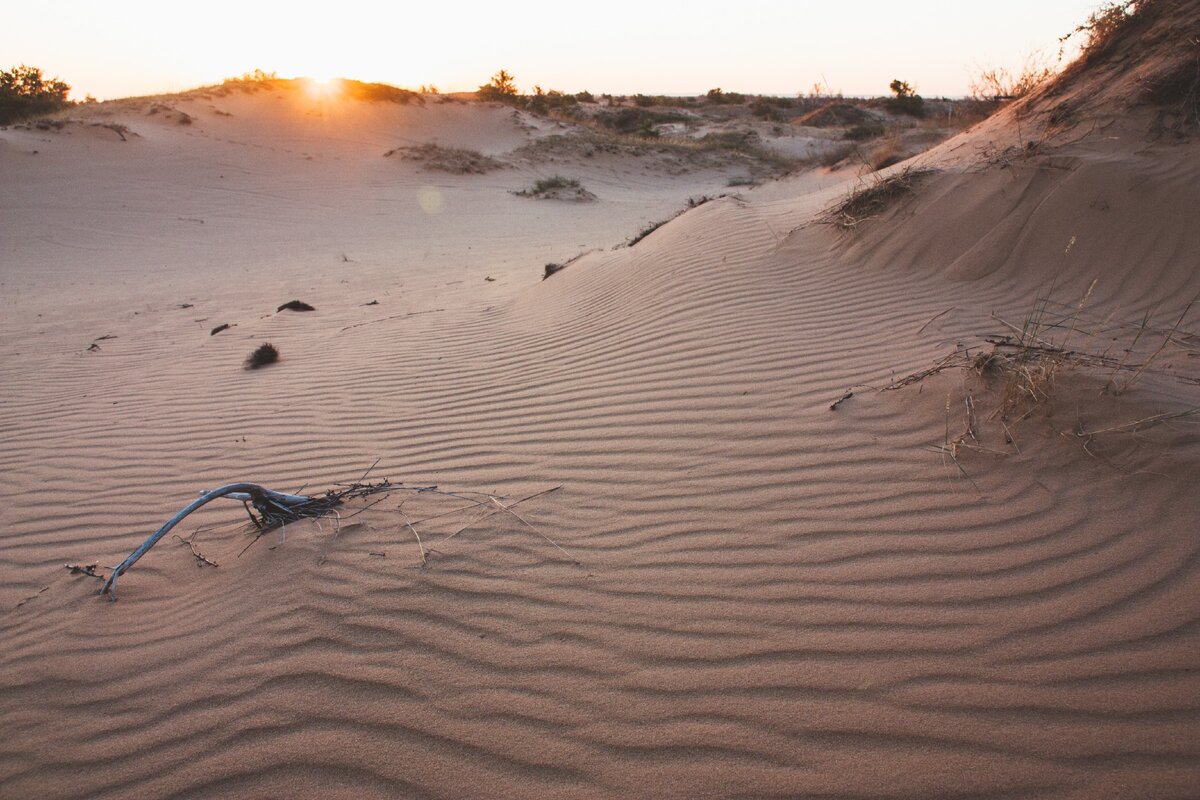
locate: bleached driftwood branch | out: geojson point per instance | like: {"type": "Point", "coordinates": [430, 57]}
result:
{"type": "Point", "coordinates": [270, 504]}
{"type": "Point", "coordinates": [276, 509]}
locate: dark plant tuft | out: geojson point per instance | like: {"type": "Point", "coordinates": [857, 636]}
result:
{"type": "Point", "coordinates": [263, 355]}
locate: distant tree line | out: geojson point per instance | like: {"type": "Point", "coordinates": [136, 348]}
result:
{"type": "Point", "coordinates": [25, 93]}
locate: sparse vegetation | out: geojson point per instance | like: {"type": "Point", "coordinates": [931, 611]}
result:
{"type": "Point", "coordinates": [874, 197]}
{"type": "Point", "coordinates": [905, 99]}
{"type": "Point", "coordinates": [1177, 92]}
{"type": "Point", "coordinates": [1102, 25]}
{"type": "Point", "coordinates": [502, 88]}
{"type": "Point", "coordinates": [693, 202]}
{"type": "Point", "coordinates": [25, 93]}
{"type": "Point", "coordinates": [992, 84]}
{"type": "Point", "coordinates": [557, 187]}
{"type": "Point", "coordinates": [1019, 375]}
{"type": "Point", "coordinates": [719, 97]}
{"type": "Point", "coordinates": [454, 160]}
{"type": "Point", "coordinates": [556, 182]}
{"type": "Point", "coordinates": [638, 120]}
{"type": "Point", "coordinates": [836, 115]}
{"type": "Point", "coordinates": [859, 133]}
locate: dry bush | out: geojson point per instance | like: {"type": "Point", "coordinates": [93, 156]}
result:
{"type": "Point", "coordinates": [991, 84]}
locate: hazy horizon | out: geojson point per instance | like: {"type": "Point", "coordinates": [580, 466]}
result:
{"type": "Point", "coordinates": [669, 48]}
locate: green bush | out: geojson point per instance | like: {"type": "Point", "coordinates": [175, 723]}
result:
{"type": "Point", "coordinates": [906, 101]}
{"type": "Point", "coordinates": [501, 88]}
{"type": "Point", "coordinates": [722, 98]}
{"type": "Point", "coordinates": [25, 93]}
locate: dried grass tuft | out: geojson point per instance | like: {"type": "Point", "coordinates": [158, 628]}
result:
{"type": "Point", "coordinates": [871, 199]}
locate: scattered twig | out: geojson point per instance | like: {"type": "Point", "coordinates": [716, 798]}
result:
{"type": "Point", "coordinates": [408, 523]}
{"type": "Point", "coordinates": [89, 570]}
{"type": "Point", "coordinates": [201, 559]}
{"type": "Point", "coordinates": [1166, 340]}
{"type": "Point", "coordinates": [846, 396]}
{"type": "Point", "coordinates": [935, 317]}
{"type": "Point", "coordinates": [1139, 424]}
{"type": "Point", "coordinates": [394, 316]}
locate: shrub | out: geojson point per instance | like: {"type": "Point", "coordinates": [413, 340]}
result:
{"type": "Point", "coordinates": [906, 100]}
{"type": "Point", "coordinates": [501, 88]}
{"type": "Point", "coordinates": [24, 93]}
{"type": "Point", "coordinates": [557, 188]}
{"type": "Point", "coordinates": [556, 182]}
{"type": "Point", "coordinates": [719, 97]}
{"type": "Point", "coordinates": [541, 102]}
{"type": "Point", "coordinates": [636, 120]}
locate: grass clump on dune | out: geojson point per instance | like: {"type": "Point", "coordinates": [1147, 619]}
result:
{"type": "Point", "coordinates": [1059, 363]}
{"type": "Point", "coordinates": [556, 187]}
{"type": "Point", "coordinates": [870, 199]}
{"type": "Point", "coordinates": [454, 160]}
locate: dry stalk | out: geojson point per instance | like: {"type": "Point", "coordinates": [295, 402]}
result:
{"type": "Point", "coordinates": [201, 559]}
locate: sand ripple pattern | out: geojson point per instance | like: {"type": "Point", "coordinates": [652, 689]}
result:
{"type": "Point", "coordinates": [772, 600]}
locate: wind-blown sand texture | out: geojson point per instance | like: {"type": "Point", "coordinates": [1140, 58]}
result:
{"type": "Point", "coordinates": [771, 600]}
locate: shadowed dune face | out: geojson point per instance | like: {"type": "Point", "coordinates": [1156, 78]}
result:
{"type": "Point", "coordinates": [771, 599]}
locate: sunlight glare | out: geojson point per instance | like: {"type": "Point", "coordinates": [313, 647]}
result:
{"type": "Point", "coordinates": [322, 86]}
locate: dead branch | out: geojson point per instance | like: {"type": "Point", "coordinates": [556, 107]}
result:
{"type": "Point", "coordinates": [275, 510]}
{"type": "Point", "coordinates": [201, 559]}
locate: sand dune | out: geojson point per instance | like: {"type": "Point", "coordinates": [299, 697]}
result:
{"type": "Point", "coordinates": [770, 599]}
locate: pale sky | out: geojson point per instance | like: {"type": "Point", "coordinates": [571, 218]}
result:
{"type": "Point", "coordinates": [133, 47]}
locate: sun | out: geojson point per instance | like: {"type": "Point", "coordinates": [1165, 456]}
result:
{"type": "Point", "coordinates": [322, 85]}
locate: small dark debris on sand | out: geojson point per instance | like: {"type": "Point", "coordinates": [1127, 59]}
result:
{"type": "Point", "coordinates": [372, 303]}
{"type": "Point", "coordinates": [94, 347]}
{"type": "Point", "coordinates": [90, 569]}
{"type": "Point", "coordinates": [263, 355]}
{"type": "Point", "coordinates": [845, 396]}
{"type": "Point", "coordinates": [551, 269]}
{"type": "Point", "coordinates": [489, 279]}
{"type": "Point", "coordinates": [224, 326]}
{"type": "Point", "coordinates": [183, 305]}
{"type": "Point", "coordinates": [295, 305]}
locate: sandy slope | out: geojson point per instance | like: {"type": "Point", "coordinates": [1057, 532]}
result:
{"type": "Point", "coordinates": [771, 599]}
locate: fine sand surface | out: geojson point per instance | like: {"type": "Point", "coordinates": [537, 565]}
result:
{"type": "Point", "coordinates": [755, 596]}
